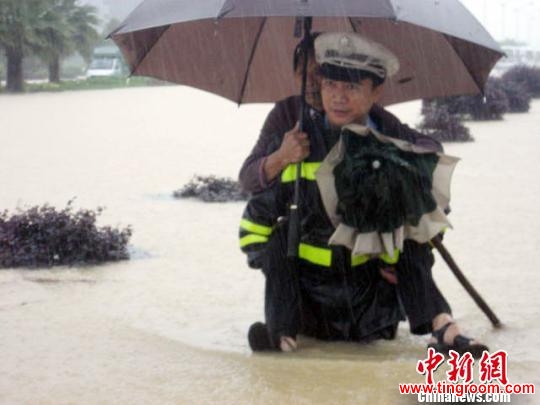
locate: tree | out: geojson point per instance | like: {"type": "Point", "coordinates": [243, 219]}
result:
{"type": "Point", "coordinates": [18, 22]}
{"type": "Point", "coordinates": [2, 67]}
{"type": "Point", "coordinates": [55, 39]}
{"type": "Point", "coordinates": [51, 29]}
{"type": "Point", "coordinates": [83, 20]}
{"type": "Point", "coordinates": [72, 30]}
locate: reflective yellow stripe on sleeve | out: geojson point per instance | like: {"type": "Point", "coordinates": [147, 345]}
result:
{"type": "Point", "coordinates": [255, 228]}
{"type": "Point", "coordinates": [323, 257]}
{"type": "Point", "coordinates": [308, 170]}
{"type": "Point", "coordinates": [385, 257]}
{"type": "Point", "coordinates": [315, 255]}
{"type": "Point", "coordinates": [359, 260]}
{"type": "Point", "coordinates": [251, 239]}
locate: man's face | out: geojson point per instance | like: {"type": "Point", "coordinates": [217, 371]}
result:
{"type": "Point", "coordinates": [313, 95]}
{"type": "Point", "coordinates": [345, 102]}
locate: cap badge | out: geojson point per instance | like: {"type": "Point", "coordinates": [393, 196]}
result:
{"type": "Point", "coordinates": [345, 46]}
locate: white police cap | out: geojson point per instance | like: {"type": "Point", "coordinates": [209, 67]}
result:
{"type": "Point", "coordinates": [352, 52]}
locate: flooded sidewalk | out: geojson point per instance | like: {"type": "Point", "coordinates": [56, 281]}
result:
{"type": "Point", "coordinates": [169, 326]}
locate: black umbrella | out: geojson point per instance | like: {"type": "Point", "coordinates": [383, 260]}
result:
{"type": "Point", "coordinates": [241, 49]}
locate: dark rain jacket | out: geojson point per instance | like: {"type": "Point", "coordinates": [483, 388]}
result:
{"type": "Point", "coordinates": [355, 303]}
{"type": "Point", "coordinates": [284, 116]}
{"type": "Point", "coordinates": [269, 201]}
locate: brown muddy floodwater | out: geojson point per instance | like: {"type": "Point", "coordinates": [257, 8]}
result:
{"type": "Point", "coordinates": [169, 325]}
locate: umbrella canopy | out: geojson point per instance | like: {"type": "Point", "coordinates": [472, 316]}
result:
{"type": "Point", "coordinates": [241, 49]}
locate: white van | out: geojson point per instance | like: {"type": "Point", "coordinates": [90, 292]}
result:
{"type": "Point", "coordinates": [106, 61]}
{"type": "Point", "coordinates": [100, 67]}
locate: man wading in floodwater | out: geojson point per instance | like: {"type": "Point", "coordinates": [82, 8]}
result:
{"type": "Point", "coordinates": [334, 295]}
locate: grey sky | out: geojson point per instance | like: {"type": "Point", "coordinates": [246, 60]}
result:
{"type": "Point", "coordinates": [515, 19]}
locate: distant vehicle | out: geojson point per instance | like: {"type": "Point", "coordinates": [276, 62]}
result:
{"type": "Point", "coordinates": [106, 61]}
{"type": "Point", "coordinates": [517, 54]}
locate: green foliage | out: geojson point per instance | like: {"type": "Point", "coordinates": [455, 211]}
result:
{"type": "Point", "coordinates": [55, 36]}
{"type": "Point", "coordinates": [490, 106]}
{"type": "Point", "coordinates": [92, 84]}
{"type": "Point", "coordinates": [51, 29]}
{"type": "Point", "coordinates": [43, 236]}
{"type": "Point", "coordinates": [443, 125]}
{"type": "Point", "coordinates": [19, 20]}
{"type": "Point", "coordinates": [71, 29]}
{"type": "Point", "coordinates": [518, 95]}
{"type": "Point", "coordinates": [2, 66]}
{"type": "Point", "coordinates": [528, 77]}
{"type": "Point", "coordinates": [83, 20]}
{"type": "Point", "coordinates": [511, 93]}
{"type": "Point", "coordinates": [212, 189]}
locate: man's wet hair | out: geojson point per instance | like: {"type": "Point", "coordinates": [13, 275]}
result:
{"type": "Point", "coordinates": [298, 55]}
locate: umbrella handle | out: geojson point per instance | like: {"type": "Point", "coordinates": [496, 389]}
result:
{"type": "Point", "coordinates": [305, 45]}
{"type": "Point", "coordinates": [437, 242]}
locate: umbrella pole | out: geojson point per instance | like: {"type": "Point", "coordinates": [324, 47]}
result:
{"type": "Point", "coordinates": [437, 242]}
{"type": "Point", "coordinates": [293, 239]}
{"type": "Point", "coordinates": [293, 234]}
